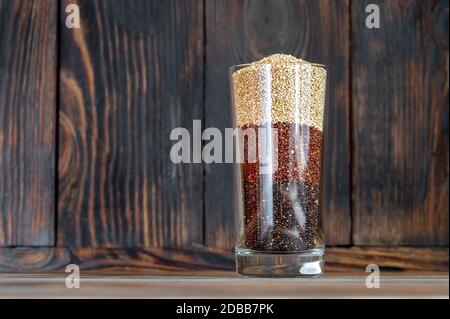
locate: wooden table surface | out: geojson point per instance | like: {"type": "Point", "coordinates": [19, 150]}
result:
{"type": "Point", "coordinates": [206, 273]}
{"type": "Point", "coordinates": [225, 285]}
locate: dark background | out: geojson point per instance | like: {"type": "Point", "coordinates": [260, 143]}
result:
{"type": "Point", "coordinates": [85, 118]}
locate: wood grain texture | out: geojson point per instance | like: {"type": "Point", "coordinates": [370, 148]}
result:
{"type": "Point", "coordinates": [27, 121]}
{"type": "Point", "coordinates": [117, 260]}
{"type": "Point", "coordinates": [400, 124]}
{"type": "Point", "coordinates": [387, 258]}
{"type": "Point", "coordinates": [243, 31]}
{"type": "Point", "coordinates": [207, 261]}
{"type": "Point", "coordinates": [129, 75]}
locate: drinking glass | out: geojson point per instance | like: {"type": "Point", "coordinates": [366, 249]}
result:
{"type": "Point", "coordinates": [279, 112]}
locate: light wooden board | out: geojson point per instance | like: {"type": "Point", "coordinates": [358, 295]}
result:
{"type": "Point", "coordinates": [333, 286]}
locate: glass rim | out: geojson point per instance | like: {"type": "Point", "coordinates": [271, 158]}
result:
{"type": "Point", "coordinates": [242, 65]}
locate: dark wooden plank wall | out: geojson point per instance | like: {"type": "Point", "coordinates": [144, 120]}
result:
{"type": "Point", "coordinates": [243, 31]}
{"type": "Point", "coordinates": [27, 121]}
{"type": "Point", "coordinates": [137, 69]}
{"type": "Point", "coordinates": [129, 75]}
{"type": "Point", "coordinates": [400, 124]}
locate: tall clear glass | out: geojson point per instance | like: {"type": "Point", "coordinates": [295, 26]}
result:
{"type": "Point", "coordinates": [279, 112]}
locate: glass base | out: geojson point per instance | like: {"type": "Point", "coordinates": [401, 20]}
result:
{"type": "Point", "coordinates": [308, 263]}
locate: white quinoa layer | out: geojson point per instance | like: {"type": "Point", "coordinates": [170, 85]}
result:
{"type": "Point", "coordinates": [280, 88]}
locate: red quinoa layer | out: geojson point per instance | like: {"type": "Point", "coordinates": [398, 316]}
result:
{"type": "Point", "coordinates": [281, 210]}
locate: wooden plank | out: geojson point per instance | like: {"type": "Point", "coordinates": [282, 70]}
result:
{"type": "Point", "coordinates": [129, 75]}
{"type": "Point", "coordinates": [243, 31]}
{"type": "Point", "coordinates": [400, 127]}
{"type": "Point", "coordinates": [333, 286]}
{"type": "Point", "coordinates": [387, 258]}
{"type": "Point", "coordinates": [27, 121]}
{"type": "Point", "coordinates": [116, 260]}
{"type": "Point", "coordinates": [208, 261]}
